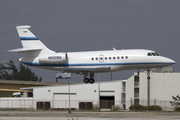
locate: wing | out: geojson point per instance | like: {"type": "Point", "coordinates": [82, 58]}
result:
{"type": "Point", "coordinates": [82, 70]}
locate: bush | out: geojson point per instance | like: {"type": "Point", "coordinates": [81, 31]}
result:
{"type": "Point", "coordinates": [115, 109]}
{"type": "Point", "coordinates": [138, 107]}
{"type": "Point", "coordinates": [154, 108]}
{"type": "Point", "coordinates": [178, 109]}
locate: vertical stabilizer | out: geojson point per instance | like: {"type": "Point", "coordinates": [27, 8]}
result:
{"type": "Point", "coordinates": [30, 41]}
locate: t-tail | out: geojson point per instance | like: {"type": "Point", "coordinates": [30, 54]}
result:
{"type": "Point", "coordinates": [32, 46]}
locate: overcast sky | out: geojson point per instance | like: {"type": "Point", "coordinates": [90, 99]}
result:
{"type": "Point", "coordinates": [81, 25]}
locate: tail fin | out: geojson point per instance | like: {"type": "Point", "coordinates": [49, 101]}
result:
{"type": "Point", "coordinates": [30, 42]}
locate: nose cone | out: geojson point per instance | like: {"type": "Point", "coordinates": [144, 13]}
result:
{"type": "Point", "coordinates": [169, 61]}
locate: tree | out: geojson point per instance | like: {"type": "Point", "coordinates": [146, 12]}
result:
{"type": "Point", "coordinates": [11, 72]}
{"type": "Point", "coordinates": [175, 102]}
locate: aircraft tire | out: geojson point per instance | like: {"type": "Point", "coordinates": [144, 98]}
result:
{"type": "Point", "coordinates": [86, 80]}
{"type": "Point", "coordinates": [91, 81]}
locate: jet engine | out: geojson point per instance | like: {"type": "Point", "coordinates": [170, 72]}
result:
{"type": "Point", "coordinates": [55, 58]}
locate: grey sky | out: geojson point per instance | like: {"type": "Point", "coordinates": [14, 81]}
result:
{"type": "Point", "coordinates": [81, 25]}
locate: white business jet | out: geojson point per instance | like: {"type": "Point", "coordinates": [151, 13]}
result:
{"type": "Point", "coordinates": [87, 63]}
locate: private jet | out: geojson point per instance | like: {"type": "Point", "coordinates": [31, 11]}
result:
{"type": "Point", "coordinates": [86, 62]}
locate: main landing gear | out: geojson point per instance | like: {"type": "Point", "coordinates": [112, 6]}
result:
{"type": "Point", "coordinates": [87, 80]}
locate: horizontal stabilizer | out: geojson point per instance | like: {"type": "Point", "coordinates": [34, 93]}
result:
{"type": "Point", "coordinates": [24, 49]}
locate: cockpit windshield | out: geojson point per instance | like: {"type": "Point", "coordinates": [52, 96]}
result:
{"type": "Point", "coordinates": [149, 54]}
{"type": "Point", "coordinates": [152, 54]}
{"type": "Point", "coordinates": [156, 54]}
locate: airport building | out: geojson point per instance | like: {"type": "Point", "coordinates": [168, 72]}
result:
{"type": "Point", "coordinates": [120, 94]}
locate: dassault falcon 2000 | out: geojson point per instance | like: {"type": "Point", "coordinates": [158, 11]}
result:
{"type": "Point", "coordinates": [38, 55]}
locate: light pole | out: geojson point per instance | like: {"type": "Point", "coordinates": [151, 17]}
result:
{"type": "Point", "coordinates": [65, 76]}
{"type": "Point", "coordinates": [99, 90]}
{"type": "Point", "coordinates": [69, 111]}
{"type": "Point", "coordinates": [148, 87]}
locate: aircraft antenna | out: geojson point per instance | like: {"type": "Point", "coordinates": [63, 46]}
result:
{"type": "Point", "coordinates": [114, 48]}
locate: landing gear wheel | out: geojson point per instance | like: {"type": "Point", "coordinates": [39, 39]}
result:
{"type": "Point", "coordinates": [91, 81]}
{"type": "Point", "coordinates": [86, 80]}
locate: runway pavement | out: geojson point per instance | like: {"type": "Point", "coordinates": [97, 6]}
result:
{"type": "Point", "coordinates": [59, 115]}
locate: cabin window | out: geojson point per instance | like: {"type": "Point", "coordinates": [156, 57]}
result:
{"type": "Point", "coordinates": [110, 58]}
{"type": "Point", "coordinates": [126, 57]}
{"type": "Point", "coordinates": [92, 58]}
{"type": "Point", "coordinates": [105, 58]}
{"type": "Point", "coordinates": [114, 58]}
{"type": "Point", "coordinates": [117, 57]}
{"type": "Point", "coordinates": [122, 57]}
{"type": "Point", "coordinates": [96, 58]}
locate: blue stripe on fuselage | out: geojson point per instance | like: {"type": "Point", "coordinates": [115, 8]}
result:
{"type": "Point", "coordinates": [29, 38]}
{"type": "Point", "coordinates": [89, 64]}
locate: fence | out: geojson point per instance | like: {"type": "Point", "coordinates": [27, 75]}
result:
{"type": "Point", "coordinates": [30, 104]}
{"type": "Point", "coordinates": [16, 103]}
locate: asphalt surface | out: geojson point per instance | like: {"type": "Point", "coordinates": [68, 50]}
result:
{"type": "Point", "coordinates": [59, 115]}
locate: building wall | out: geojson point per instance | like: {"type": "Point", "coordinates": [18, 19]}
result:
{"type": "Point", "coordinates": [80, 93]}
{"type": "Point", "coordinates": [129, 91]}
{"type": "Point", "coordinates": [162, 87]}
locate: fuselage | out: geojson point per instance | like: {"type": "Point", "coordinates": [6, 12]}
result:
{"type": "Point", "coordinates": [116, 60]}
{"type": "Point", "coordinates": [88, 62]}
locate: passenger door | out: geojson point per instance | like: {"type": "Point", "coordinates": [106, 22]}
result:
{"type": "Point", "coordinates": [101, 58]}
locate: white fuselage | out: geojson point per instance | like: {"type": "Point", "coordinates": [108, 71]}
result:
{"type": "Point", "coordinates": [38, 55]}
{"type": "Point", "coordinates": [116, 60]}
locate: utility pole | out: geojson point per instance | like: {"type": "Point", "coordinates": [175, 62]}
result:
{"type": "Point", "coordinates": [69, 111]}
{"type": "Point", "coordinates": [99, 90]}
{"type": "Point", "coordinates": [148, 87]}
{"type": "Point", "coordinates": [65, 76]}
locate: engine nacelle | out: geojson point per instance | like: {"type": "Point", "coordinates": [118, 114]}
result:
{"type": "Point", "coordinates": [55, 58]}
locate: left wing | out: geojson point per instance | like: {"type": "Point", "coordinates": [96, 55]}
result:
{"type": "Point", "coordinates": [82, 70]}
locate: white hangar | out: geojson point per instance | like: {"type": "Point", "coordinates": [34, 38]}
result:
{"type": "Point", "coordinates": [121, 93]}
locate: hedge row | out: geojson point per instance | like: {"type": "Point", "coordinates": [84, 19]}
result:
{"type": "Point", "coordinates": [178, 109]}
{"type": "Point", "coordinates": [138, 107]}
